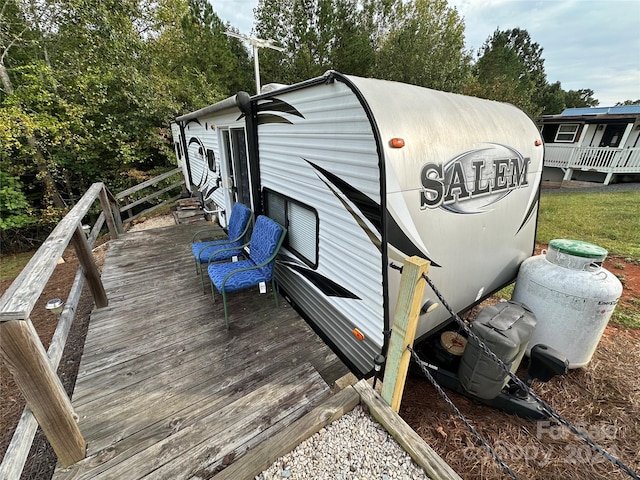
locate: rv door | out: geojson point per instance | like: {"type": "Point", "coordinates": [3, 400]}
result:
{"type": "Point", "coordinates": [236, 183]}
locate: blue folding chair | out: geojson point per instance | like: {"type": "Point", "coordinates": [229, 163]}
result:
{"type": "Point", "coordinates": [218, 250]}
{"type": "Point", "coordinates": [266, 240]}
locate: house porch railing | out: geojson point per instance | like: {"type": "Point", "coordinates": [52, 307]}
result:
{"type": "Point", "coordinates": [593, 159]}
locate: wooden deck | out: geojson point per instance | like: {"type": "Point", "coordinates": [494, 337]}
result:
{"type": "Point", "coordinates": [164, 390]}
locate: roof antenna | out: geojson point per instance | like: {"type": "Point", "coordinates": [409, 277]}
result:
{"type": "Point", "coordinates": [256, 43]}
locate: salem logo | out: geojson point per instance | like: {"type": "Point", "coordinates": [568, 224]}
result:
{"type": "Point", "coordinates": [474, 180]}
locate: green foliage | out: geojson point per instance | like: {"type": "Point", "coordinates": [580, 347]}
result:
{"type": "Point", "coordinates": [605, 219]}
{"type": "Point", "coordinates": [317, 35]}
{"type": "Point", "coordinates": [510, 68]}
{"type": "Point", "coordinates": [580, 98]}
{"type": "Point", "coordinates": [91, 86]}
{"type": "Point", "coordinates": [629, 102]}
{"type": "Point", "coordinates": [14, 208]}
{"type": "Point", "coordinates": [425, 46]}
{"type": "Point", "coordinates": [417, 41]}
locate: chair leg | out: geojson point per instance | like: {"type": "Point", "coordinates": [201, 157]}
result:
{"type": "Point", "coordinates": [224, 303]}
{"type": "Point", "coordinates": [202, 278]}
{"type": "Point", "coordinates": [213, 296]}
{"type": "Point", "coordinates": [275, 293]}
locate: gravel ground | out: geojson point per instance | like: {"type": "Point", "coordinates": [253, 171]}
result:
{"type": "Point", "coordinates": [153, 222]}
{"type": "Point", "coordinates": [354, 447]}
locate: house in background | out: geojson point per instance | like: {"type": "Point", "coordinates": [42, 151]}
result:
{"type": "Point", "coordinates": [592, 144]}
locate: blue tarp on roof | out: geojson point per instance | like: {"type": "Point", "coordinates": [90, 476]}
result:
{"type": "Point", "coordinates": [619, 110]}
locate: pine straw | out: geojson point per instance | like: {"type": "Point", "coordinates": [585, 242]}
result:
{"type": "Point", "coordinates": [602, 399]}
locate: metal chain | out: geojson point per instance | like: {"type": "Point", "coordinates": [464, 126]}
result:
{"type": "Point", "coordinates": [444, 396]}
{"type": "Point", "coordinates": [546, 407]}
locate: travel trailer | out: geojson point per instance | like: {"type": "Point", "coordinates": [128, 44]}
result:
{"type": "Point", "coordinates": [364, 173]}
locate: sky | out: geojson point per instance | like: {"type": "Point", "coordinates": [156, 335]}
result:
{"type": "Point", "coordinates": [586, 43]}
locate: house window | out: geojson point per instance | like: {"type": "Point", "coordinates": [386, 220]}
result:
{"type": "Point", "coordinates": [301, 222]}
{"type": "Point", "coordinates": [567, 133]}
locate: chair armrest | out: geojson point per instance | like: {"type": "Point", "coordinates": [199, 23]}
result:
{"type": "Point", "coordinates": [206, 245]}
{"type": "Point", "coordinates": [238, 247]}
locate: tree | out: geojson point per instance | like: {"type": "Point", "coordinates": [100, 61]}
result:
{"type": "Point", "coordinates": [628, 102]}
{"type": "Point", "coordinates": [303, 28]}
{"type": "Point", "coordinates": [417, 41]}
{"type": "Point", "coordinates": [552, 99]}
{"type": "Point", "coordinates": [580, 98]}
{"type": "Point", "coordinates": [16, 34]}
{"type": "Point", "coordinates": [510, 68]}
{"type": "Point", "coordinates": [425, 47]}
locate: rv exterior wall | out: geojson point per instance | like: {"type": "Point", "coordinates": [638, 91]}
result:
{"type": "Point", "coordinates": [211, 175]}
{"type": "Point", "coordinates": [463, 189]}
{"type": "Point", "coordinates": [178, 149]}
{"type": "Point", "coordinates": [317, 141]}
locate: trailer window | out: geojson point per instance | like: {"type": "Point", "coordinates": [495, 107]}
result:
{"type": "Point", "coordinates": [567, 133]}
{"type": "Point", "coordinates": [301, 222]}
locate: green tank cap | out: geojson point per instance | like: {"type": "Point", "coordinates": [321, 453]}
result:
{"type": "Point", "coordinates": [578, 248]}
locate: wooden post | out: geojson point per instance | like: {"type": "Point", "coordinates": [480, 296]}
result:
{"type": "Point", "coordinates": [28, 362]}
{"type": "Point", "coordinates": [108, 213]}
{"type": "Point", "coordinates": [83, 250]}
{"type": "Point", "coordinates": [403, 331]}
{"type": "Point", "coordinates": [118, 217]}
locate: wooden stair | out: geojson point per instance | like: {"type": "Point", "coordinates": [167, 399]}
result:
{"type": "Point", "coordinates": [188, 210]}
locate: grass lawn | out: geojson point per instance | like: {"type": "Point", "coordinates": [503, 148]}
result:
{"type": "Point", "coordinates": [610, 220]}
{"type": "Point", "coordinates": [12, 264]}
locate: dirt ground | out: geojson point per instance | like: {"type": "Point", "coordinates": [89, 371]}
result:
{"type": "Point", "coordinates": [603, 398]}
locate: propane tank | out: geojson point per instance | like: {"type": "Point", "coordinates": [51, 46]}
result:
{"type": "Point", "coordinates": [572, 296]}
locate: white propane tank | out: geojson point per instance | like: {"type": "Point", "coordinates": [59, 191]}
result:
{"type": "Point", "coordinates": [571, 295]}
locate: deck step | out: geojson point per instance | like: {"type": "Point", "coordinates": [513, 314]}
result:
{"type": "Point", "coordinates": [188, 210]}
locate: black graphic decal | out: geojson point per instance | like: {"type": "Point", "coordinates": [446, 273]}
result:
{"type": "Point", "coordinates": [532, 208]}
{"type": "Point", "coordinates": [372, 236]}
{"type": "Point", "coordinates": [399, 240]}
{"type": "Point", "coordinates": [265, 112]}
{"type": "Point", "coordinates": [369, 208]}
{"type": "Point", "coordinates": [264, 118]}
{"type": "Point", "coordinates": [277, 105]}
{"type": "Point", "coordinates": [210, 191]}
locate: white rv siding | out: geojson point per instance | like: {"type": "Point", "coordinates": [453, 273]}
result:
{"type": "Point", "coordinates": [207, 130]}
{"type": "Point", "coordinates": [177, 146]}
{"type": "Point", "coordinates": [334, 134]}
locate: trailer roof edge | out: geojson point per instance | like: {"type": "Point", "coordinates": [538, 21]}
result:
{"type": "Point", "coordinates": [230, 102]}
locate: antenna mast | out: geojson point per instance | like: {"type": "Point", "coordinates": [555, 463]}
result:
{"type": "Point", "coordinates": [256, 43]}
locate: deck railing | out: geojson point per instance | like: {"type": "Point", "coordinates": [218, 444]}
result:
{"type": "Point", "coordinates": [607, 160]}
{"type": "Point", "coordinates": [33, 368]}
{"type": "Point", "coordinates": [128, 207]}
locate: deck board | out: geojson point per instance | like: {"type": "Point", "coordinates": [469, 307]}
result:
{"type": "Point", "coordinates": [164, 391]}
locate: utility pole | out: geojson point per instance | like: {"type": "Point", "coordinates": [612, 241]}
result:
{"type": "Point", "coordinates": [256, 43]}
